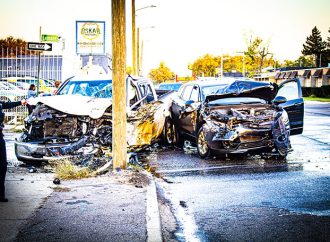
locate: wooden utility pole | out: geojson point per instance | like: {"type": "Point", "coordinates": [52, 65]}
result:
{"type": "Point", "coordinates": [138, 51]}
{"type": "Point", "coordinates": [119, 134]}
{"type": "Point", "coordinates": [133, 38]}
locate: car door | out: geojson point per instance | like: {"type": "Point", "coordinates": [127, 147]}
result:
{"type": "Point", "coordinates": [192, 113]}
{"type": "Point", "coordinates": [291, 90]}
{"type": "Point", "coordinates": [180, 118]}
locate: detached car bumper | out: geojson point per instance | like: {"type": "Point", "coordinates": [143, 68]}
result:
{"type": "Point", "coordinates": [43, 152]}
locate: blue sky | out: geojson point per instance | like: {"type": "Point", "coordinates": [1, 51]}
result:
{"type": "Point", "coordinates": [184, 29]}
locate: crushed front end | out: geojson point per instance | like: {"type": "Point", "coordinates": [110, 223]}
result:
{"type": "Point", "coordinates": [244, 129]}
{"type": "Point", "coordinates": [51, 133]}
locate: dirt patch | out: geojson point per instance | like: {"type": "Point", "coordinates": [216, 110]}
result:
{"type": "Point", "coordinates": [61, 189]}
{"type": "Point", "coordinates": [137, 178]}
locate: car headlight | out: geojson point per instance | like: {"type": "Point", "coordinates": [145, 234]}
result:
{"type": "Point", "coordinates": [285, 117]}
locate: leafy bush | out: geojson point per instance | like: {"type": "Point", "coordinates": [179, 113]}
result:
{"type": "Point", "coordinates": [323, 91]}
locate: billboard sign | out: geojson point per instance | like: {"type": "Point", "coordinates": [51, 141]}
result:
{"type": "Point", "coordinates": [90, 37]}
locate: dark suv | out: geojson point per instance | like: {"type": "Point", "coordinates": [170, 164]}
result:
{"type": "Point", "coordinates": [237, 115]}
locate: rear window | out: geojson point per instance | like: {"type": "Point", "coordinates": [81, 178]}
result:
{"type": "Point", "coordinates": [173, 86]}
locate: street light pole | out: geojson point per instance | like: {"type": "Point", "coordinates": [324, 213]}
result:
{"type": "Point", "coordinates": [221, 72]}
{"type": "Point", "coordinates": [135, 42]}
{"type": "Point", "coordinates": [140, 50]}
{"type": "Point", "coordinates": [243, 66]}
{"type": "Point", "coordinates": [150, 6]}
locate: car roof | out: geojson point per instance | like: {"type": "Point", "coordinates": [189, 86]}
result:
{"type": "Point", "coordinates": [216, 81]}
{"type": "Point", "coordinates": [168, 84]}
{"type": "Point", "coordinates": [91, 78]}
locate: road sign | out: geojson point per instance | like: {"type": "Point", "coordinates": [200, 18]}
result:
{"type": "Point", "coordinates": [40, 46]}
{"type": "Point", "coordinates": [49, 38]}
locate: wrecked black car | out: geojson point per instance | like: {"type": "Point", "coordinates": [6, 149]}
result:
{"type": "Point", "coordinates": [80, 115]}
{"type": "Point", "coordinates": [238, 116]}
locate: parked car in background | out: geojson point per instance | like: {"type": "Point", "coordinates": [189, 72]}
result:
{"type": "Point", "coordinates": [238, 116]}
{"type": "Point", "coordinates": [45, 86]}
{"type": "Point", "coordinates": [170, 86]}
{"type": "Point", "coordinates": [10, 93]}
{"type": "Point", "coordinates": [80, 115]}
{"type": "Point", "coordinates": [23, 85]}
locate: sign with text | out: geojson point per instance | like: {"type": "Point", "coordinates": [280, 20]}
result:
{"type": "Point", "coordinates": [90, 37]}
{"type": "Point", "coordinates": [49, 38]}
{"type": "Point", "coordinates": [39, 46]}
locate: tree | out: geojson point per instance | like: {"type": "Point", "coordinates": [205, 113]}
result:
{"type": "Point", "coordinates": [302, 61]}
{"type": "Point", "coordinates": [315, 46]}
{"type": "Point", "coordinates": [205, 65]}
{"type": "Point", "coordinates": [257, 52]}
{"type": "Point", "coordinates": [10, 46]}
{"type": "Point", "coordinates": [162, 73]}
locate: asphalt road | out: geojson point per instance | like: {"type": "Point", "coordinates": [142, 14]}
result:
{"type": "Point", "coordinates": [252, 199]}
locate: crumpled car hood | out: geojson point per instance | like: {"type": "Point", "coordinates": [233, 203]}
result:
{"type": "Point", "coordinates": [244, 88]}
{"type": "Point", "coordinates": [75, 104]}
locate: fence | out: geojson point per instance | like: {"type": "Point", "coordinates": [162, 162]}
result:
{"type": "Point", "coordinates": [19, 65]}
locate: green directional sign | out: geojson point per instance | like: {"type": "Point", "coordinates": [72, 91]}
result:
{"type": "Point", "coordinates": [49, 38]}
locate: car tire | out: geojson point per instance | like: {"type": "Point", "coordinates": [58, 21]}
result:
{"type": "Point", "coordinates": [203, 148]}
{"type": "Point", "coordinates": [169, 132]}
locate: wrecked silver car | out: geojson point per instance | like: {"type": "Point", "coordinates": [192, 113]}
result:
{"type": "Point", "coordinates": [235, 116]}
{"type": "Point", "coordinates": [80, 115]}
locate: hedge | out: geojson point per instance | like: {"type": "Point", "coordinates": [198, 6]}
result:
{"type": "Point", "coordinates": [323, 91]}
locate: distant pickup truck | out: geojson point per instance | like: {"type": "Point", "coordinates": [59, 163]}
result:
{"type": "Point", "coordinates": [81, 114]}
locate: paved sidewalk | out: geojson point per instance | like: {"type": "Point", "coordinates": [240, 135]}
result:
{"type": "Point", "coordinates": [25, 192]}
{"type": "Point", "coordinates": [112, 207]}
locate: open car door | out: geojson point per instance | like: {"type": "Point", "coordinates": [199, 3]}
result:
{"type": "Point", "coordinates": [291, 90]}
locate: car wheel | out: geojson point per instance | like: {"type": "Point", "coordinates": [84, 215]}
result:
{"type": "Point", "coordinates": [282, 144]}
{"type": "Point", "coordinates": [169, 132]}
{"type": "Point", "coordinates": [202, 145]}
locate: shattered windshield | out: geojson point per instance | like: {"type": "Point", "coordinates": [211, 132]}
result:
{"type": "Point", "coordinates": [91, 88]}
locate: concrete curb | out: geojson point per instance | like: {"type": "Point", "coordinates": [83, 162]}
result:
{"type": "Point", "coordinates": [152, 215]}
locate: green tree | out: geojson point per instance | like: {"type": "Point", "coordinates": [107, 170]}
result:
{"type": "Point", "coordinates": [232, 63]}
{"type": "Point", "coordinates": [10, 46]}
{"type": "Point", "coordinates": [257, 51]}
{"type": "Point", "coordinates": [302, 61]}
{"type": "Point", "coordinates": [205, 65]}
{"type": "Point", "coordinates": [162, 73]}
{"type": "Point", "coordinates": [315, 46]}
{"type": "Point", "coordinates": [328, 50]}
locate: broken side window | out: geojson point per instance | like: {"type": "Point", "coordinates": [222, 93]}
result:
{"type": "Point", "coordinates": [186, 93]}
{"type": "Point", "coordinates": [289, 91]}
{"type": "Point", "coordinates": [195, 94]}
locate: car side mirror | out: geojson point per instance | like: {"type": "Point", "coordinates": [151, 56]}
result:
{"type": "Point", "coordinates": [188, 103]}
{"type": "Point", "coordinates": [279, 99]}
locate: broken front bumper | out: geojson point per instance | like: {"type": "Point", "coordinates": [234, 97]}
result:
{"type": "Point", "coordinates": [243, 141]}
{"type": "Point", "coordinates": [240, 148]}
{"type": "Point", "coordinates": [34, 151]}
